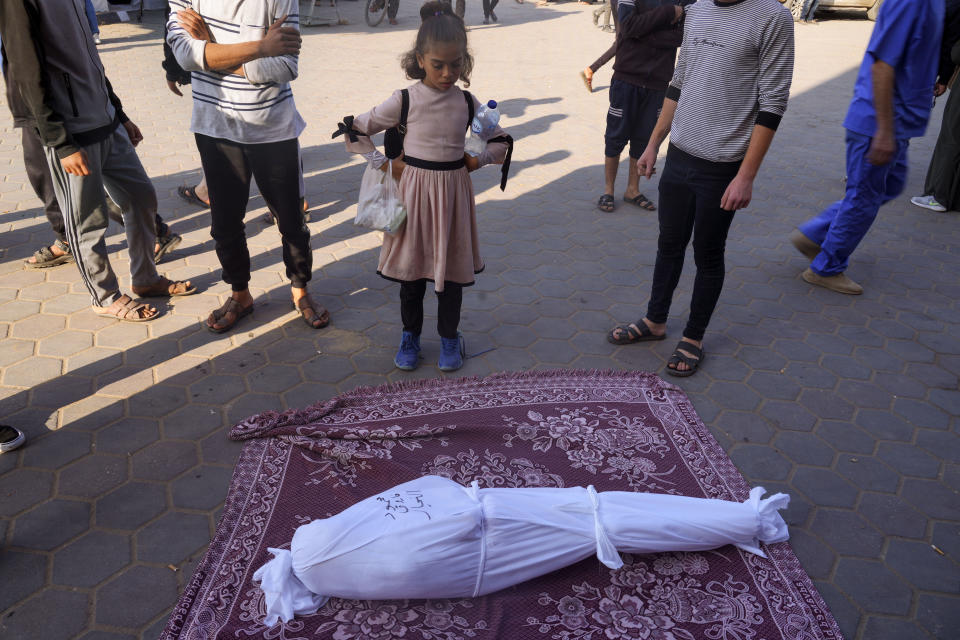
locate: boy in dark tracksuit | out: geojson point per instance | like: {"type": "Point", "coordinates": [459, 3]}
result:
{"type": "Point", "coordinates": [54, 63]}
{"type": "Point", "coordinates": [650, 32]}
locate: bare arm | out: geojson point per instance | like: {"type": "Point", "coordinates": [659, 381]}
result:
{"type": "Point", "coordinates": [660, 131]}
{"type": "Point", "coordinates": [884, 143]}
{"type": "Point", "coordinates": [739, 192]}
{"type": "Point", "coordinates": [230, 58]}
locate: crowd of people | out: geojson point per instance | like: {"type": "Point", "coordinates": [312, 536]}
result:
{"type": "Point", "coordinates": [674, 68]}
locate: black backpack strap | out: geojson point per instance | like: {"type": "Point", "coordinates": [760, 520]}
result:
{"type": "Point", "coordinates": [404, 111]}
{"type": "Point", "coordinates": [393, 138]}
{"type": "Point", "coordinates": [470, 111]}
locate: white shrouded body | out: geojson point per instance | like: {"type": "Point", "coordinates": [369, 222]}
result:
{"type": "Point", "coordinates": [434, 538]}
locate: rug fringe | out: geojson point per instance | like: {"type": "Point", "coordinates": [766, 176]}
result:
{"type": "Point", "coordinates": [256, 426]}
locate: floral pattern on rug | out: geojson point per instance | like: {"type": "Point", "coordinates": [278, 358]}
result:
{"type": "Point", "coordinates": [616, 431]}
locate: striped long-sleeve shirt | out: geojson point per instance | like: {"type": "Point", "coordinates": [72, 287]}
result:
{"type": "Point", "coordinates": [250, 109]}
{"type": "Point", "coordinates": [733, 71]}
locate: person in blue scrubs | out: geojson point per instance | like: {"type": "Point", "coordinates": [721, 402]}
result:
{"type": "Point", "coordinates": [891, 103]}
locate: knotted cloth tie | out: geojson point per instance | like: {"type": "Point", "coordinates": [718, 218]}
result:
{"type": "Point", "coordinates": [606, 551]}
{"type": "Point", "coordinates": [346, 128]}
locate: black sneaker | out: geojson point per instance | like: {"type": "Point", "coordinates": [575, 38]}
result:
{"type": "Point", "coordinates": [10, 438]}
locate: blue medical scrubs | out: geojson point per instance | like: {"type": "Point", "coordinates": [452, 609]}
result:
{"type": "Point", "coordinates": [907, 37]}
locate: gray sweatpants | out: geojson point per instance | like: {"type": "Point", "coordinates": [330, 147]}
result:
{"type": "Point", "coordinates": [113, 164]}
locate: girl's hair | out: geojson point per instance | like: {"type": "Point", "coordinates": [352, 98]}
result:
{"type": "Point", "coordinates": [439, 25]}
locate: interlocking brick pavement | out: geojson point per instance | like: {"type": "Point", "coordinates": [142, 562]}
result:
{"type": "Point", "coordinates": [849, 404]}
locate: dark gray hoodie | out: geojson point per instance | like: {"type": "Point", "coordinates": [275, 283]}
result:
{"type": "Point", "coordinates": [54, 74]}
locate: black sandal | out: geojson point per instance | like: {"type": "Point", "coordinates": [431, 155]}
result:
{"type": "Point", "coordinates": [633, 333]}
{"type": "Point", "coordinates": [693, 362]}
{"type": "Point", "coordinates": [190, 195]}
{"type": "Point", "coordinates": [641, 201]}
{"type": "Point", "coordinates": [605, 203]}
{"type": "Point", "coordinates": [165, 244]}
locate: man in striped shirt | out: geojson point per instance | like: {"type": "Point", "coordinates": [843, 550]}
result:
{"type": "Point", "coordinates": [722, 107]}
{"type": "Point", "coordinates": [243, 54]}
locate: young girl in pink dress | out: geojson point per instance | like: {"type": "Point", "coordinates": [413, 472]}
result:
{"type": "Point", "coordinates": [439, 240]}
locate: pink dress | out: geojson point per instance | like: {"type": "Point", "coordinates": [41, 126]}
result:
{"type": "Point", "coordinates": [439, 241]}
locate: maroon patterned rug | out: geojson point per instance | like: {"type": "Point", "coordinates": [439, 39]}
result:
{"type": "Point", "coordinates": [616, 431]}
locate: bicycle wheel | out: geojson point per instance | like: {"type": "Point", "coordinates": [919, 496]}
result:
{"type": "Point", "coordinates": [375, 11]}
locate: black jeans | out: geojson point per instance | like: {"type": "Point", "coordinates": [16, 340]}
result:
{"type": "Point", "coordinates": [276, 166]}
{"type": "Point", "coordinates": [488, 7]}
{"type": "Point", "coordinates": [448, 307]}
{"type": "Point", "coordinates": [690, 192]}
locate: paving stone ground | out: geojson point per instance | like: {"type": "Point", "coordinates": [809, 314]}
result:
{"type": "Point", "coordinates": [849, 404]}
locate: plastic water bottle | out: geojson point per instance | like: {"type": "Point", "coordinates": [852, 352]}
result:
{"type": "Point", "coordinates": [482, 128]}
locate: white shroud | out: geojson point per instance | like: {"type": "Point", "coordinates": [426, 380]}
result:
{"type": "Point", "coordinates": [434, 538]}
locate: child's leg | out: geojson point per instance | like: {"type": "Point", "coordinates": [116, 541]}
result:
{"type": "Point", "coordinates": [411, 305]}
{"type": "Point", "coordinates": [449, 302]}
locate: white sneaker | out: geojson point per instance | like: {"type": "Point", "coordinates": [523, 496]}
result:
{"type": "Point", "coordinates": [928, 202]}
{"type": "Point", "coordinates": [96, 38]}
{"type": "Point", "coordinates": [10, 438]}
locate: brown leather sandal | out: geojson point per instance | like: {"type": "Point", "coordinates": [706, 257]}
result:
{"type": "Point", "coordinates": [230, 306]}
{"type": "Point", "coordinates": [166, 288]}
{"type": "Point", "coordinates": [304, 306]}
{"type": "Point", "coordinates": [127, 309]}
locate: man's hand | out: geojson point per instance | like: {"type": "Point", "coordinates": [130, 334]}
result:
{"type": "Point", "coordinates": [280, 41]}
{"type": "Point", "coordinates": [738, 194]}
{"type": "Point", "coordinates": [134, 132]}
{"type": "Point", "coordinates": [193, 23]}
{"type": "Point", "coordinates": [76, 164]}
{"type": "Point", "coordinates": [646, 162]}
{"type": "Point", "coordinates": [939, 90]}
{"type": "Point", "coordinates": [472, 162]}
{"type": "Point", "coordinates": [882, 148]}
{"type": "Point", "coordinates": [172, 85]}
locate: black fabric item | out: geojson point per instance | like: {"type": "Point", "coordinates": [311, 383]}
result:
{"type": "Point", "coordinates": [171, 67]}
{"type": "Point", "coordinates": [449, 302]}
{"type": "Point", "coordinates": [505, 169]}
{"type": "Point", "coordinates": [345, 128]}
{"type": "Point", "coordinates": [432, 165]}
{"type": "Point", "coordinates": [690, 192]}
{"type": "Point", "coordinates": [228, 167]}
{"type": "Point", "coordinates": [951, 36]}
{"type": "Point", "coordinates": [768, 120]}
{"type": "Point", "coordinates": [488, 7]}
{"type": "Point", "coordinates": [943, 175]}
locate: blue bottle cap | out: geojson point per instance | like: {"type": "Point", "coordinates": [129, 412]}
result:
{"type": "Point", "coordinates": [492, 104]}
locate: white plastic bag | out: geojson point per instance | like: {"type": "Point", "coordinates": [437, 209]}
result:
{"type": "Point", "coordinates": [379, 206]}
{"type": "Point", "coordinates": [433, 538]}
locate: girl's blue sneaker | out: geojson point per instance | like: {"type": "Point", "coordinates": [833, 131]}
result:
{"type": "Point", "coordinates": [408, 355]}
{"type": "Point", "coordinates": [451, 354]}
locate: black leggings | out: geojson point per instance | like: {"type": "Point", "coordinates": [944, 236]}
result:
{"type": "Point", "coordinates": [276, 167]}
{"type": "Point", "coordinates": [690, 192]}
{"type": "Point", "coordinates": [448, 307]}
